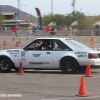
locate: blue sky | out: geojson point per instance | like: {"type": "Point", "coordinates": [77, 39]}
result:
{"type": "Point", "coordinates": [89, 7]}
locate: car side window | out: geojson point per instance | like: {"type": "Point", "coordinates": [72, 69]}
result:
{"type": "Point", "coordinates": [34, 45]}
{"type": "Point", "coordinates": [40, 45]}
{"type": "Point", "coordinates": [60, 46]}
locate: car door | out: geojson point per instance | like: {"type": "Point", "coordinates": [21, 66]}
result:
{"type": "Point", "coordinates": [59, 49]}
{"type": "Point", "coordinates": [35, 57]}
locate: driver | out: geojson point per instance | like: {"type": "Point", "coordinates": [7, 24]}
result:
{"type": "Point", "coordinates": [34, 44]}
{"type": "Point", "coordinates": [45, 46]}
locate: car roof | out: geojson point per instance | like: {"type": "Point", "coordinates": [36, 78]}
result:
{"type": "Point", "coordinates": [53, 38]}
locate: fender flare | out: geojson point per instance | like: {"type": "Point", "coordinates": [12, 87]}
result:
{"type": "Point", "coordinates": [6, 55]}
{"type": "Point", "coordinates": [68, 55]}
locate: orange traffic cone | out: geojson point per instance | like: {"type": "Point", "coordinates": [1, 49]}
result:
{"type": "Point", "coordinates": [92, 42]}
{"type": "Point", "coordinates": [82, 89]}
{"type": "Point", "coordinates": [21, 71]}
{"type": "Point", "coordinates": [19, 41]}
{"type": "Point", "coordinates": [88, 71]}
{"type": "Point", "coordinates": [5, 42]}
{"type": "Point", "coordinates": [16, 44]}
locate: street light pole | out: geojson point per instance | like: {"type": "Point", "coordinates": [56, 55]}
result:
{"type": "Point", "coordinates": [18, 8]}
{"type": "Point", "coordinates": [0, 8]}
{"type": "Point", "coordinates": [51, 10]}
{"type": "Point", "coordinates": [73, 4]}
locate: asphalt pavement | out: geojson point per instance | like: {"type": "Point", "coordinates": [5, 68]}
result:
{"type": "Point", "coordinates": [47, 84]}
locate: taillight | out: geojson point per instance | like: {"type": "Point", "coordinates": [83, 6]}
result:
{"type": "Point", "coordinates": [93, 56]}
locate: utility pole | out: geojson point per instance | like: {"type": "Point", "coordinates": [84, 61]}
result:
{"type": "Point", "coordinates": [18, 8]}
{"type": "Point", "coordinates": [0, 8]}
{"type": "Point", "coordinates": [52, 10]}
{"type": "Point", "coordinates": [73, 4]}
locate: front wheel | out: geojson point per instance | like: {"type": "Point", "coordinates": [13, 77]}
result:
{"type": "Point", "coordinates": [5, 64]}
{"type": "Point", "coordinates": [68, 65]}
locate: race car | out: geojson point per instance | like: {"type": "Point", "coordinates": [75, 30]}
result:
{"type": "Point", "coordinates": [63, 54]}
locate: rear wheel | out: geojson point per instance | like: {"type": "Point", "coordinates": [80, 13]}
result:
{"type": "Point", "coordinates": [68, 65]}
{"type": "Point", "coordinates": [5, 64]}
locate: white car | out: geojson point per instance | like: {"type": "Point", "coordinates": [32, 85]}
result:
{"type": "Point", "coordinates": [64, 54]}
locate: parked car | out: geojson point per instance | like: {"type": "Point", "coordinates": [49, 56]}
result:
{"type": "Point", "coordinates": [63, 54]}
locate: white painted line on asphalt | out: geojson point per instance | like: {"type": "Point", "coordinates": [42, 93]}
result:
{"type": "Point", "coordinates": [49, 99]}
{"type": "Point", "coordinates": [85, 76]}
{"type": "Point", "coordinates": [96, 76]}
{"type": "Point", "coordinates": [60, 99]}
{"type": "Point", "coordinates": [72, 98]}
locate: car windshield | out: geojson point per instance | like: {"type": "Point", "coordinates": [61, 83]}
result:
{"type": "Point", "coordinates": [77, 44]}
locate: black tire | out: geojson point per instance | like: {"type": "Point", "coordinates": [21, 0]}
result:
{"type": "Point", "coordinates": [5, 64]}
{"type": "Point", "coordinates": [68, 65]}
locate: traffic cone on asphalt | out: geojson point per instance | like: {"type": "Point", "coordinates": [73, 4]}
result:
{"type": "Point", "coordinates": [92, 42]}
{"type": "Point", "coordinates": [88, 71]}
{"type": "Point", "coordinates": [16, 44]}
{"type": "Point", "coordinates": [21, 71]}
{"type": "Point", "coordinates": [82, 89]}
{"type": "Point", "coordinates": [5, 42]}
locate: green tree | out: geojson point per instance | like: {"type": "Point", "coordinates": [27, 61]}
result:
{"type": "Point", "coordinates": [76, 16]}
{"type": "Point", "coordinates": [59, 19]}
{"type": "Point", "coordinates": [91, 20]}
{"type": "Point", "coordinates": [1, 19]}
{"type": "Point", "coordinates": [65, 19]}
{"type": "Point", "coordinates": [46, 19]}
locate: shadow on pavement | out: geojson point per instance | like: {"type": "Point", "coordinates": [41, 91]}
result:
{"type": "Point", "coordinates": [53, 72]}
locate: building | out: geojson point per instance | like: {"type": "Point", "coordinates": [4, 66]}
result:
{"type": "Point", "coordinates": [12, 21]}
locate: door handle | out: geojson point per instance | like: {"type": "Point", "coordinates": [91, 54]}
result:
{"type": "Point", "coordinates": [48, 52]}
{"type": "Point", "coordinates": [36, 55]}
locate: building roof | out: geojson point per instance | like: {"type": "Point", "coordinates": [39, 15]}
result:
{"type": "Point", "coordinates": [8, 13]}
{"type": "Point", "coordinates": [12, 20]}
{"type": "Point", "coordinates": [13, 24]}
{"type": "Point", "coordinates": [8, 8]}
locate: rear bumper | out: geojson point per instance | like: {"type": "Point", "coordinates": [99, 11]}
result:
{"type": "Point", "coordinates": [93, 62]}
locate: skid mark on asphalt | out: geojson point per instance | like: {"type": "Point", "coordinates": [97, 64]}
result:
{"type": "Point", "coordinates": [73, 98]}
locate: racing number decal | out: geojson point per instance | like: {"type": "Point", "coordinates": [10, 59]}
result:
{"type": "Point", "coordinates": [23, 55]}
{"type": "Point", "coordinates": [81, 54]}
